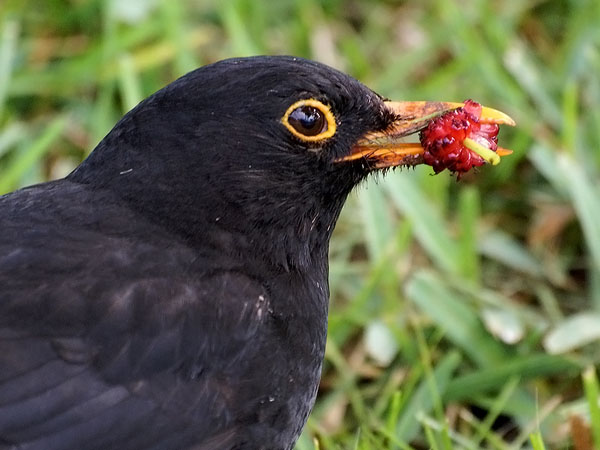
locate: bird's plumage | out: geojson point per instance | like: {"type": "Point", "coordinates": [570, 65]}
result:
{"type": "Point", "coordinates": [171, 293]}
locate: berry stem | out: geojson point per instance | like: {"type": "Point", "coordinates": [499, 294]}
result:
{"type": "Point", "coordinates": [489, 155]}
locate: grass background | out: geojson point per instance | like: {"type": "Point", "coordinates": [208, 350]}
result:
{"type": "Point", "coordinates": [464, 314]}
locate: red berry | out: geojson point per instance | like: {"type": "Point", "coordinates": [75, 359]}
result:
{"type": "Point", "coordinates": [443, 139]}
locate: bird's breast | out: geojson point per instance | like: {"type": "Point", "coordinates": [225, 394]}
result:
{"type": "Point", "coordinates": [289, 354]}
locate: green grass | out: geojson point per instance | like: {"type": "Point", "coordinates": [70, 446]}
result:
{"type": "Point", "coordinates": [464, 314]}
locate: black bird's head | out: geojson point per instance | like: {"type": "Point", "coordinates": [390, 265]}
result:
{"type": "Point", "coordinates": [266, 148]}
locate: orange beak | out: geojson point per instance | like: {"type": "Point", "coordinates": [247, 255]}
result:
{"type": "Point", "coordinates": [385, 149]}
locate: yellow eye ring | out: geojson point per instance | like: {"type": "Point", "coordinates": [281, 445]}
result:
{"type": "Point", "coordinates": [308, 116]}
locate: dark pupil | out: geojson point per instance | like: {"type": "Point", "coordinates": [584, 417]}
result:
{"type": "Point", "coordinates": [307, 120]}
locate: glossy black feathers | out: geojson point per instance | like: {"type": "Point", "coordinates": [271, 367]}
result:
{"type": "Point", "coordinates": [171, 293]}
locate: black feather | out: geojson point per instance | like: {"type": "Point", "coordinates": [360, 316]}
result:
{"type": "Point", "coordinates": [172, 291]}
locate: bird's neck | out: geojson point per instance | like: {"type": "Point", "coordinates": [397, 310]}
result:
{"type": "Point", "coordinates": [289, 227]}
{"type": "Point", "coordinates": [288, 238]}
{"type": "Point", "coordinates": [266, 235]}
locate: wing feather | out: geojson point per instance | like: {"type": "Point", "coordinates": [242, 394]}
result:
{"type": "Point", "coordinates": [113, 337]}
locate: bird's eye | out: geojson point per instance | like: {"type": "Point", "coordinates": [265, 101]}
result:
{"type": "Point", "coordinates": [310, 120]}
{"type": "Point", "coordinates": [307, 120]}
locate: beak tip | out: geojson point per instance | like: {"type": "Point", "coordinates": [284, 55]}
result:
{"type": "Point", "coordinates": [490, 115]}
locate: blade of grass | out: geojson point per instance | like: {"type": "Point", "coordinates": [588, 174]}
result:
{"type": "Point", "coordinates": [91, 67]}
{"type": "Point", "coordinates": [10, 136]}
{"type": "Point", "coordinates": [468, 215]}
{"type": "Point", "coordinates": [394, 413]}
{"type": "Point", "coordinates": [239, 36]}
{"type": "Point", "coordinates": [394, 442]}
{"type": "Point", "coordinates": [493, 440]}
{"type": "Point", "coordinates": [305, 442]}
{"type": "Point", "coordinates": [421, 402]}
{"type": "Point", "coordinates": [348, 377]}
{"type": "Point", "coordinates": [594, 285]}
{"type": "Point", "coordinates": [497, 407]}
{"type": "Point", "coordinates": [26, 159]}
{"type": "Point", "coordinates": [528, 71]}
{"type": "Point", "coordinates": [451, 314]}
{"type": "Point", "coordinates": [8, 44]}
{"type": "Point", "coordinates": [585, 197]}
{"type": "Point", "coordinates": [544, 158]}
{"type": "Point", "coordinates": [431, 440]}
{"type": "Point", "coordinates": [537, 442]}
{"type": "Point", "coordinates": [174, 23]}
{"type": "Point", "coordinates": [507, 250]}
{"type": "Point", "coordinates": [428, 226]}
{"type": "Point", "coordinates": [534, 424]}
{"type": "Point", "coordinates": [469, 47]}
{"type": "Point", "coordinates": [357, 439]}
{"type": "Point", "coordinates": [426, 360]}
{"type": "Point", "coordinates": [463, 442]}
{"type": "Point", "coordinates": [526, 367]}
{"type": "Point", "coordinates": [570, 117]}
{"type": "Point", "coordinates": [592, 394]}
{"type": "Point", "coordinates": [129, 83]}
{"type": "Point", "coordinates": [378, 233]}
{"type": "Point", "coordinates": [341, 321]}
{"type": "Point", "coordinates": [573, 332]}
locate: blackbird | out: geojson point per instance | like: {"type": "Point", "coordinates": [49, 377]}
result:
{"type": "Point", "coordinates": [171, 292]}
